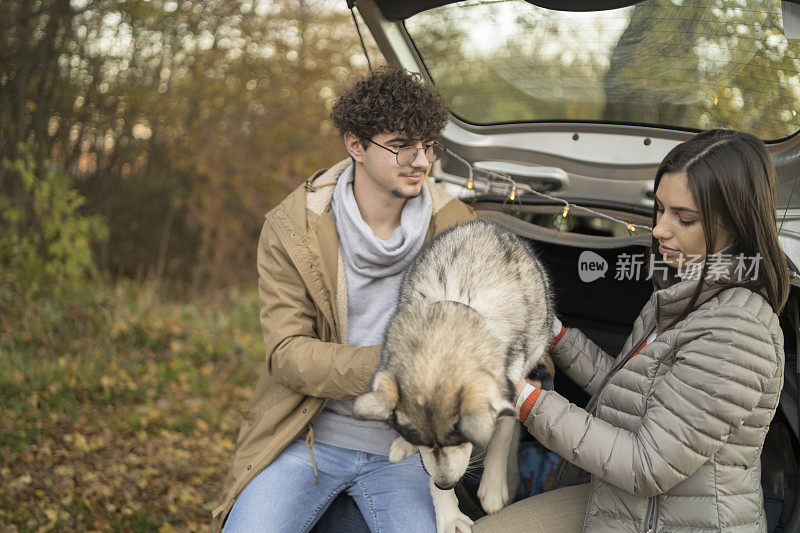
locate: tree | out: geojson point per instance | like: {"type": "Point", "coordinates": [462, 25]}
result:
{"type": "Point", "coordinates": [182, 122]}
{"type": "Point", "coordinates": [707, 66]}
{"type": "Point", "coordinates": [680, 63]}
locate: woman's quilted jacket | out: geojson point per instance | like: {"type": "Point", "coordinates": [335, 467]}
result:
{"type": "Point", "coordinates": [675, 440]}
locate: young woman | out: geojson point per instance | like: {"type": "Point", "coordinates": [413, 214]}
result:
{"type": "Point", "coordinates": [674, 432]}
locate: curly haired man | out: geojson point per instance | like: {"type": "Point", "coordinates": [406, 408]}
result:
{"type": "Point", "coordinates": [330, 260]}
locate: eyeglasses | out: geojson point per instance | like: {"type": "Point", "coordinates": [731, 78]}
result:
{"type": "Point", "coordinates": [407, 154]}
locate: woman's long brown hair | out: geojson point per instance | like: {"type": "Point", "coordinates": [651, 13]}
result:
{"type": "Point", "coordinates": [733, 182]}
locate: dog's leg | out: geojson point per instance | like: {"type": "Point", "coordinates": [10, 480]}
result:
{"type": "Point", "coordinates": [514, 477]}
{"type": "Point", "coordinates": [449, 518]}
{"type": "Point", "coordinates": [494, 491]}
{"type": "Point", "coordinates": [400, 449]}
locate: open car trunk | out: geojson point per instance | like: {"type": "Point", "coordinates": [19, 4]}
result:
{"type": "Point", "coordinates": [581, 101]}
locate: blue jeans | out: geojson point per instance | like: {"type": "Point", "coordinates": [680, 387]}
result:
{"type": "Point", "coordinates": [284, 496]}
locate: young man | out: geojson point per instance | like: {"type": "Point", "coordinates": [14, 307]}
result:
{"type": "Point", "coordinates": [330, 260]}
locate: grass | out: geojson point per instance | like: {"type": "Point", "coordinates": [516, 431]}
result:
{"type": "Point", "coordinates": [120, 410]}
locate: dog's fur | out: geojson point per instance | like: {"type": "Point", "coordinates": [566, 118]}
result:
{"type": "Point", "coordinates": [474, 316]}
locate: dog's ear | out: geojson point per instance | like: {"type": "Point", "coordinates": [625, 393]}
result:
{"type": "Point", "coordinates": [401, 449]}
{"type": "Point", "coordinates": [481, 406]}
{"type": "Point", "coordinates": [381, 402]}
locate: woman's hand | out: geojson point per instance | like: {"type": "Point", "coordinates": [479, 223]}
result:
{"type": "Point", "coordinates": [521, 385]}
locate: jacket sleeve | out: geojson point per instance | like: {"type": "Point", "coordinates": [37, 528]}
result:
{"type": "Point", "coordinates": [582, 360]}
{"type": "Point", "coordinates": [724, 362]}
{"type": "Point", "coordinates": [296, 357]}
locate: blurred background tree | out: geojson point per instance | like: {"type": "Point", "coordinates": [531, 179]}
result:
{"type": "Point", "coordinates": [144, 140]}
{"type": "Point", "coordinates": [696, 64]}
{"type": "Point", "coordinates": [180, 122]}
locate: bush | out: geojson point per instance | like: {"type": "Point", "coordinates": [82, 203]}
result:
{"type": "Point", "coordinates": [45, 241]}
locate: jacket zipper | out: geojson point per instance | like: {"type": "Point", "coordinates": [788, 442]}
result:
{"type": "Point", "coordinates": [652, 515]}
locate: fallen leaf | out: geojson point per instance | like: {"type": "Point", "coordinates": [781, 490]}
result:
{"type": "Point", "coordinates": [80, 443]}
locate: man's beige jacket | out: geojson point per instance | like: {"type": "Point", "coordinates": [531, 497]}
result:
{"type": "Point", "coordinates": [304, 321]}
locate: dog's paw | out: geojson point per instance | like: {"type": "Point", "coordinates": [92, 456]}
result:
{"type": "Point", "coordinates": [400, 449]}
{"type": "Point", "coordinates": [454, 524]}
{"type": "Point", "coordinates": [493, 492]}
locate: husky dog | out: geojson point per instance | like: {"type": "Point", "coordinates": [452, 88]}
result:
{"type": "Point", "coordinates": [474, 316]}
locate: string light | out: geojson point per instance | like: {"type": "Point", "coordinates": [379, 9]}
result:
{"type": "Point", "coordinates": [470, 184]}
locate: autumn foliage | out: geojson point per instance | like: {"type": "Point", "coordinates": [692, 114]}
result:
{"type": "Point", "coordinates": [141, 144]}
{"type": "Point", "coordinates": [120, 411]}
{"type": "Point", "coordinates": [182, 122]}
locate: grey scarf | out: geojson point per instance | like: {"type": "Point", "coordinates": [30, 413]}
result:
{"type": "Point", "coordinates": [374, 267]}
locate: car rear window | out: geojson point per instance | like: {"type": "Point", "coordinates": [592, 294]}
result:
{"type": "Point", "coordinates": [672, 63]}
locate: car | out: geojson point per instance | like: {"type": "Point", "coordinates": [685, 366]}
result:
{"type": "Point", "coordinates": [560, 114]}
